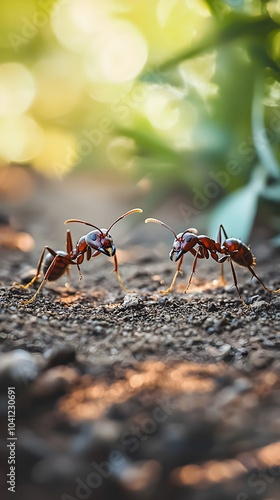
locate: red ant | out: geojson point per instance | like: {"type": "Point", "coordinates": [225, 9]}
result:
{"type": "Point", "coordinates": [232, 249]}
{"type": "Point", "coordinates": [56, 263]}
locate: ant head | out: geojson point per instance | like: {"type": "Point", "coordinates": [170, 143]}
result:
{"type": "Point", "coordinates": [182, 243]}
{"type": "Point", "coordinates": [107, 246]}
{"type": "Point", "coordinates": [100, 239]}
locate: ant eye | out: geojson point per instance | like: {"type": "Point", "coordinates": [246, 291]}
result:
{"type": "Point", "coordinates": [189, 238]}
{"type": "Point", "coordinates": [93, 236]}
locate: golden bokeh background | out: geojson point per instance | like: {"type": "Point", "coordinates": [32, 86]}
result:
{"type": "Point", "coordinates": [175, 95]}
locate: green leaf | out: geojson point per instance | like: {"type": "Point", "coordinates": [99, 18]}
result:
{"type": "Point", "coordinates": [148, 143]}
{"type": "Point", "coordinates": [262, 141]}
{"type": "Point", "coordinates": [220, 8]}
{"type": "Point", "coordinates": [237, 211]}
{"type": "Point", "coordinates": [272, 192]}
{"type": "Point", "coordinates": [234, 27]}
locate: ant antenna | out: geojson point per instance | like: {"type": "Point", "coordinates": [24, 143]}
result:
{"type": "Point", "coordinates": [68, 221]}
{"type": "Point", "coordinates": [151, 219]}
{"type": "Point", "coordinates": [190, 230]}
{"type": "Point", "coordinates": [133, 211]}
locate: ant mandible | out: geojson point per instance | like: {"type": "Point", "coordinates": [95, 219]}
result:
{"type": "Point", "coordinates": [232, 249]}
{"type": "Point", "coordinates": [56, 263]}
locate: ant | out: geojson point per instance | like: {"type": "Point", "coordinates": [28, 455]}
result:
{"type": "Point", "coordinates": [232, 250]}
{"type": "Point", "coordinates": [56, 263]}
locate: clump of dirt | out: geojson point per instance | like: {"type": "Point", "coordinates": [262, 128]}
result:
{"type": "Point", "coordinates": [207, 324]}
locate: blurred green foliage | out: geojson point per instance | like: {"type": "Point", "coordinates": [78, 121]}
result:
{"type": "Point", "coordinates": [178, 95]}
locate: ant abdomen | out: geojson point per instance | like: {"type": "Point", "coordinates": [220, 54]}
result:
{"type": "Point", "coordinates": [59, 268]}
{"type": "Point", "coordinates": [240, 253]}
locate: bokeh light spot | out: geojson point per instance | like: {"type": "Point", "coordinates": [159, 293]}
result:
{"type": "Point", "coordinates": [59, 85]}
{"type": "Point", "coordinates": [125, 53]}
{"type": "Point", "coordinates": [198, 73]}
{"type": "Point", "coordinates": [77, 22]}
{"type": "Point", "coordinates": [120, 151]}
{"type": "Point", "coordinates": [66, 29]}
{"type": "Point", "coordinates": [108, 91]}
{"type": "Point", "coordinates": [58, 154]}
{"type": "Point", "coordinates": [162, 108]}
{"type": "Point", "coordinates": [21, 138]}
{"type": "Point", "coordinates": [17, 89]}
{"type": "Point", "coordinates": [117, 54]}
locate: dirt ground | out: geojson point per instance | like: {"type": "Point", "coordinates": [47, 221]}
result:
{"type": "Point", "coordinates": [142, 395]}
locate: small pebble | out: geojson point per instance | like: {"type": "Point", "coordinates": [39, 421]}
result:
{"type": "Point", "coordinates": [55, 469]}
{"type": "Point", "coordinates": [252, 299]}
{"type": "Point", "coordinates": [259, 304]}
{"type": "Point", "coordinates": [212, 307]}
{"type": "Point", "coordinates": [268, 343]}
{"type": "Point", "coordinates": [53, 382]}
{"type": "Point", "coordinates": [17, 368]}
{"type": "Point", "coordinates": [61, 355]}
{"type": "Point", "coordinates": [225, 349]}
{"type": "Point", "coordinates": [131, 300]}
{"type": "Point", "coordinates": [259, 359]}
{"type": "Point", "coordinates": [141, 475]}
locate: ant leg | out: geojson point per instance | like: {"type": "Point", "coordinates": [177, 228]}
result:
{"type": "Point", "coordinates": [116, 270]}
{"type": "Point", "coordinates": [69, 242]}
{"type": "Point", "coordinates": [48, 273]}
{"type": "Point", "coordinates": [35, 278]}
{"type": "Point", "coordinates": [223, 281]}
{"type": "Point", "coordinates": [219, 241]}
{"type": "Point", "coordinates": [50, 268]}
{"type": "Point", "coordinates": [235, 282]}
{"type": "Point", "coordinates": [95, 254]}
{"type": "Point", "coordinates": [89, 253]}
{"type": "Point", "coordinates": [192, 273]}
{"type": "Point", "coordinates": [79, 260]}
{"type": "Point", "coordinates": [170, 288]}
{"type": "Point", "coordinates": [221, 261]}
{"type": "Point", "coordinates": [259, 279]}
{"type": "Point", "coordinates": [79, 271]}
{"type": "Point", "coordinates": [219, 236]}
{"type": "Point", "coordinates": [69, 247]}
{"type": "Point", "coordinates": [198, 255]}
